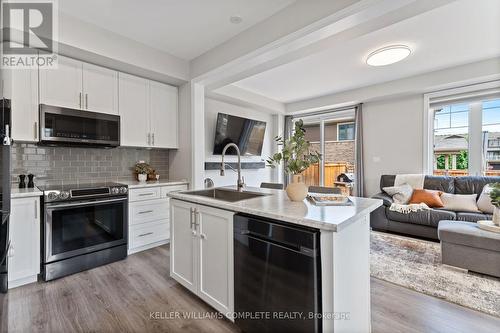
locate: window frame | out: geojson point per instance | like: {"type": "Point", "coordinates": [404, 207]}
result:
{"type": "Point", "coordinates": [452, 96]}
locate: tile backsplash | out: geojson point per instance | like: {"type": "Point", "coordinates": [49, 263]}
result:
{"type": "Point", "coordinates": [83, 164]}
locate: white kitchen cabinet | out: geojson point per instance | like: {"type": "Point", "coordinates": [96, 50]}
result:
{"type": "Point", "coordinates": [149, 113]}
{"type": "Point", "coordinates": [149, 217]}
{"type": "Point", "coordinates": [164, 115]}
{"type": "Point", "coordinates": [21, 86]}
{"type": "Point", "coordinates": [62, 86]}
{"type": "Point", "coordinates": [201, 252]}
{"type": "Point", "coordinates": [24, 235]}
{"type": "Point", "coordinates": [100, 89]}
{"type": "Point", "coordinates": [134, 111]}
{"type": "Point", "coordinates": [78, 85]}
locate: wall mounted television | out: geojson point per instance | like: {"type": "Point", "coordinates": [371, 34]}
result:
{"type": "Point", "coordinates": [247, 134]}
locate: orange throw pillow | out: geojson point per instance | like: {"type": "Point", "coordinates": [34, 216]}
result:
{"type": "Point", "coordinates": [429, 197]}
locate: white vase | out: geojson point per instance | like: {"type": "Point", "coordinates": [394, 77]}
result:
{"type": "Point", "coordinates": [142, 177]}
{"type": "Point", "coordinates": [496, 216]}
{"type": "Point", "coordinates": [297, 190]}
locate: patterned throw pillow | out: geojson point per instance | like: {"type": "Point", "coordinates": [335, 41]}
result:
{"type": "Point", "coordinates": [400, 194]}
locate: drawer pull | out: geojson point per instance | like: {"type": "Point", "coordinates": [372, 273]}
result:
{"type": "Point", "coordinates": [145, 212]}
{"type": "Point", "coordinates": [144, 194]}
{"type": "Point", "coordinates": [146, 234]}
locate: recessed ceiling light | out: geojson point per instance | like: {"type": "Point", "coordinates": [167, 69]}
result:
{"type": "Point", "coordinates": [235, 19]}
{"type": "Point", "coordinates": [388, 55]}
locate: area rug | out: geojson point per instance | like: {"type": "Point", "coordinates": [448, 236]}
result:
{"type": "Point", "coordinates": [416, 264]}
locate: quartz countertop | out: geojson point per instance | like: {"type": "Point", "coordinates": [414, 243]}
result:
{"type": "Point", "coordinates": [161, 182]}
{"type": "Point", "coordinates": [276, 205]}
{"type": "Point", "coordinates": [16, 192]}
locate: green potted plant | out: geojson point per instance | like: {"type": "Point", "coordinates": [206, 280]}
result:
{"type": "Point", "coordinates": [142, 170]}
{"type": "Point", "coordinates": [297, 157]}
{"type": "Point", "coordinates": [495, 200]}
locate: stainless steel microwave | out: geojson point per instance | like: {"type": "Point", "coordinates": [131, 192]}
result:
{"type": "Point", "coordinates": [71, 127]}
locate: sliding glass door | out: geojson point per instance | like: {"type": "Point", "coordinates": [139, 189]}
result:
{"type": "Point", "coordinates": [333, 135]}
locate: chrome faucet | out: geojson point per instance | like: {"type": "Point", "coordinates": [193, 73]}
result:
{"type": "Point", "coordinates": [241, 182]}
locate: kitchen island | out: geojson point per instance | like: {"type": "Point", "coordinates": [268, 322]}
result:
{"type": "Point", "coordinates": [203, 259]}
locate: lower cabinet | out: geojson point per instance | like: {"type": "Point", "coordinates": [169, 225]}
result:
{"type": "Point", "coordinates": [148, 217]}
{"type": "Point", "coordinates": [201, 252]}
{"type": "Point", "coordinates": [24, 235]}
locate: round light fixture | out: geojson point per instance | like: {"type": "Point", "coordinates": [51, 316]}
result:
{"type": "Point", "coordinates": [388, 55]}
{"type": "Point", "coordinates": [235, 19]}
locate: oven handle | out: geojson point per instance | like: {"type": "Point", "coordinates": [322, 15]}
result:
{"type": "Point", "coordinates": [80, 204]}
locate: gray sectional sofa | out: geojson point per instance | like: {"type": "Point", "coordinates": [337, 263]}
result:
{"type": "Point", "coordinates": [424, 223]}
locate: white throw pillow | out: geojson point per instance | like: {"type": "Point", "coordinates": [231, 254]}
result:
{"type": "Point", "coordinates": [460, 202]}
{"type": "Point", "coordinates": [400, 194]}
{"type": "Point", "coordinates": [484, 203]}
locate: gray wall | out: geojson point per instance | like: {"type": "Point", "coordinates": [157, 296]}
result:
{"type": "Point", "coordinates": [392, 138]}
{"type": "Point", "coordinates": [83, 164]}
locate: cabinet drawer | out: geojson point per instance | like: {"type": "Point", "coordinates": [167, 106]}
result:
{"type": "Point", "coordinates": [140, 194]}
{"type": "Point", "coordinates": [167, 189]}
{"type": "Point", "coordinates": [146, 211]}
{"type": "Point", "coordinates": [147, 233]}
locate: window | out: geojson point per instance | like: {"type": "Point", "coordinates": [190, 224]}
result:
{"type": "Point", "coordinates": [345, 131]}
{"type": "Point", "coordinates": [463, 131]}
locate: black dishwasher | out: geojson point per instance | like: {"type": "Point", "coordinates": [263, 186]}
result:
{"type": "Point", "coordinates": [277, 276]}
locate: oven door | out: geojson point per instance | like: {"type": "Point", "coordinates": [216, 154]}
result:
{"type": "Point", "coordinates": [75, 228]}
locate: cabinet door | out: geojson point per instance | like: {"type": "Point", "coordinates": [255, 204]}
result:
{"type": "Point", "coordinates": [100, 89]}
{"type": "Point", "coordinates": [134, 111]}
{"type": "Point", "coordinates": [24, 234]}
{"type": "Point", "coordinates": [62, 86]}
{"type": "Point", "coordinates": [164, 118]}
{"type": "Point", "coordinates": [182, 244]}
{"type": "Point", "coordinates": [22, 85]}
{"type": "Point", "coordinates": [216, 257]}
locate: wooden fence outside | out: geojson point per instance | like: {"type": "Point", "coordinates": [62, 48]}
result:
{"type": "Point", "coordinates": [332, 170]}
{"type": "Point", "coordinates": [459, 173]}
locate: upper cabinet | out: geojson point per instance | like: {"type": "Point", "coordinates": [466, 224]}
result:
{"type": "Point", "coordinates": [164, 115]}
{"type": "Point", "coordinates": [100, 88]}
{"type": "Point", "coordinates": [134, 111]}
{"type": "Point", "coordinates": [148, 113]}
{"type": "Point", "coordinates": [78, 85]}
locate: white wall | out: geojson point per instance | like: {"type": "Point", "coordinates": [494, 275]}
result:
{"type": "Point", "coordinates": [392, 138]}
{"type": "Point", "coordinates": [252, 177]}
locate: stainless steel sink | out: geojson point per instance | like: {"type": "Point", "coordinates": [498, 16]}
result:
{"type": "Point", "coordinates": [226, 194]}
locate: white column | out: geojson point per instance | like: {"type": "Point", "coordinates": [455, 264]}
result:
{"type": "Point", "coordinates": [198, 134]}
{"type": "Point", "coordinates": [475, 138]}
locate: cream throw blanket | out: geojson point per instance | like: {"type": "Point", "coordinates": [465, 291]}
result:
{"type": "Point", "coordinates": [416, 181]}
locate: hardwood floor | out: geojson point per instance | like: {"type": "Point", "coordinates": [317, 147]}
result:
{"type": "Point", "coordinates": [124, 296]}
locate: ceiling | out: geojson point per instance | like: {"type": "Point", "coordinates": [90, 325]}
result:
{"type": "Point", "coordinates": [462, 32]}
{"type": "Point", "coordinates": [183, 28]}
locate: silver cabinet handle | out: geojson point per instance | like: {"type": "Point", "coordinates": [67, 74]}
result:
{"type": "Point", "coordinates": [87, 101]}
{"type": "Point", "coordinates": [146, 234]}
{"type": "Point", "coordinates": [153, 138]}
{"type": "Point", "coordinates": [80, 100]}
{"type": "Point", "coordinates": [144, 194]}
{"type": "Point", "coordinates": [196, 217]}
{"type": "Point", "coordinates": [35, 127]}
{"type": "Point", "coordinates": [192, 218]}
{"type": "Point", "coordinates": [36, 210]}
{"type": "Point", "coordinates": [149, 138]}
{"type": "Point", "coordinates": [145, 212]}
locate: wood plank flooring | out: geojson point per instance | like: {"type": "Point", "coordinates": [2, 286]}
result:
{"type": "Point", "coordinates": [123, 296]}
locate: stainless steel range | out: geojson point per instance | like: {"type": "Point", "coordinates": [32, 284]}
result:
{"type": "Point", "coordinates": [85, 226]}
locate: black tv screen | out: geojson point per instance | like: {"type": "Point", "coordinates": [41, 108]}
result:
{"type": "Point", "coordinates": [247, 134]}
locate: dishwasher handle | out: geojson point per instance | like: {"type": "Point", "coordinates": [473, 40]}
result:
{"type": "Point", "coordinates": [294, 247]}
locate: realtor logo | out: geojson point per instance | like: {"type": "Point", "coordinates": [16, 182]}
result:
{"type": "Point", "coordinates": [29, 33]}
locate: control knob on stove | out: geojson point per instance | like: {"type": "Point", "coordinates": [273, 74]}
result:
{"type": "Point", "coordinates": [64, 195]}
{"type": "Point", "coordinates": [123, 190]}
{"type": "Point", "coordinates": [52, 196]}
{"type": "Point", "coordinates": [115, 190]}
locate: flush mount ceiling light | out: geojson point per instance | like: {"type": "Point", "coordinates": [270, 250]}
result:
{"type": "Point", "coordinates": [388, 55]}
{"type": "Point", "coordinates": [235, 19]}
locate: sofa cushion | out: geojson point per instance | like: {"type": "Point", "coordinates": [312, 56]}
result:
{"type": "Point", "coordinates": [440, 183]}
{"type": "Point", "coordinates": [387, 181]}
{"type": "Point", "coordinates": [472, 217]}
{"type": "Point", "coordinates": [429, 217]}
{"type": "Point", "coordinates": [400, 194]}
{"type": "Point", "coordinates": [473, 184]}
{"type": "Point", "coordinates": [386, 198]}
{"type": "Point", "coordinates": [468, 234]}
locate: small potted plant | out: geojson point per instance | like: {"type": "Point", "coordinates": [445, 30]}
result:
{"type": "Point", "coordinates": [495, 200]}
{"type": "Point", "coordinates": [297, 157]}
{"type": "Point", "coordinates": [142, 170]}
